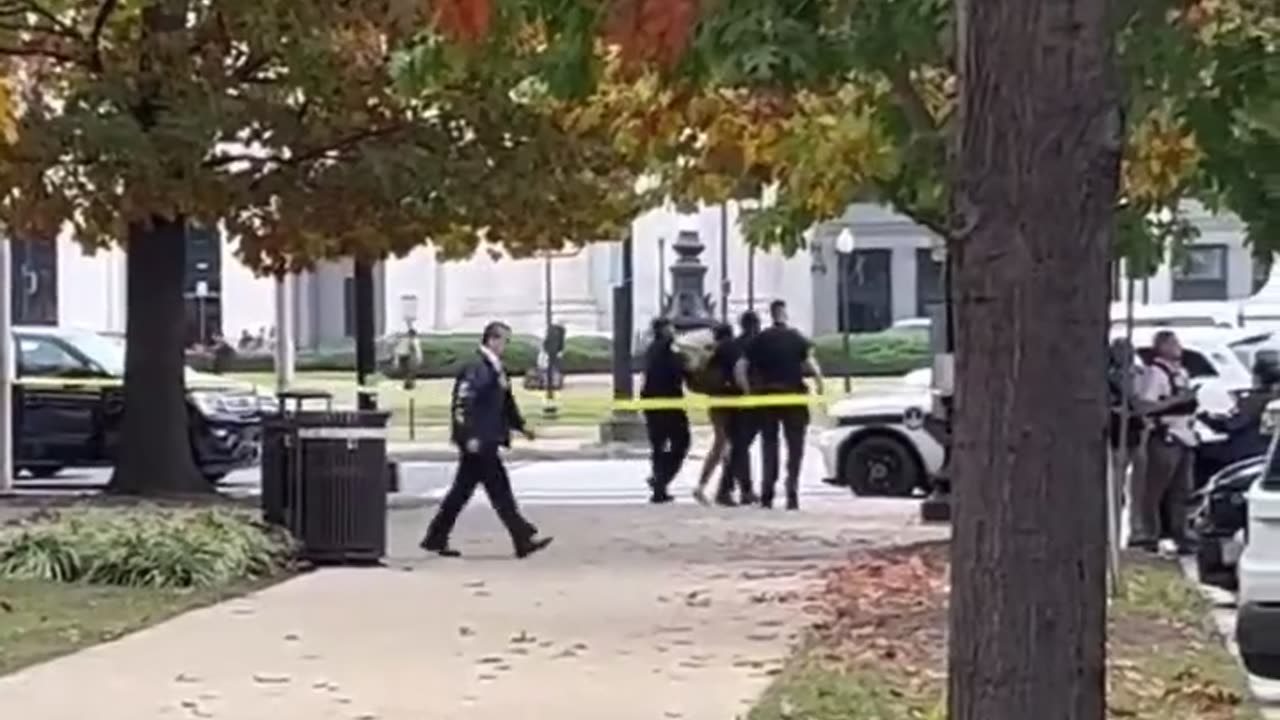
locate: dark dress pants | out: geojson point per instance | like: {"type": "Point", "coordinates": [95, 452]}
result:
{"type": "Point", "coordinates": [743, 426]}
{"type": "Point", "coordinates": [484, 468]}
{"type": "Point", "coordinates": [669, 439]}
{"type": "Point", "coordinates": [793, 423]}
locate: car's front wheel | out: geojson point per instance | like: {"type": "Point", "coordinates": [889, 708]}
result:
{"type": "Point", "coordinates": [881, 465]}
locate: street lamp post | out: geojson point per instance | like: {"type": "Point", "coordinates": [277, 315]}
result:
{"type": "Point", "coordinates": [725, 286]}
{"type": "Point", "coordinates": [549, 408]}
{"type": "Point", "coordinates": [844, 249]}
{"type": "Point", "coordinates": [662, 273]}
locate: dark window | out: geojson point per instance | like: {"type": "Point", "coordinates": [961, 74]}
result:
{"type": "Point", "coordinates": [202, 285]}
{"type": "Point", "coordinates": [929, 285]}
{"type": "Point", "coordinates": [868, 290]}
{"type": "Point", "coordinates": [35, 282]}
{"type": "Point", "coordinates": [1201, 273]}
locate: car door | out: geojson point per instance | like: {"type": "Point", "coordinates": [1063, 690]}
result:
{"type": "Point", "coordinates": [58, 402]}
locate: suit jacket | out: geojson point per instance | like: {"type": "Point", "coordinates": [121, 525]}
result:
{"type": "Point", "coordinates": [483, 407]}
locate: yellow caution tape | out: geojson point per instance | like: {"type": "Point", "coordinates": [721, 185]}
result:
{"type": "Point", "coordinates": [704, 402]}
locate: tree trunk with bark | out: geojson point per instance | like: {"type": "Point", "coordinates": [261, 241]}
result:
{"type": "Point", "coordinates": [1036, 181]}
{"type": "Point", "coordinates": [154, 455]}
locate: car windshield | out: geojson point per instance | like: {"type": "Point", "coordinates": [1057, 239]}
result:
{"type": "Point", "coordinates": [106, 352]}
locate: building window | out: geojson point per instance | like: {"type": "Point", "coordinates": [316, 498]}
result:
{"type": "Point", "coordinates": [202, 286]}
{"type": "Point", "coordinates": [1201, 273]}
{"type": "Point", "coordinates": [868, 290]}
{"type": "Point", "coordinates": [34, 282]}
{"type": "Point", "coordinates": [928, 282]}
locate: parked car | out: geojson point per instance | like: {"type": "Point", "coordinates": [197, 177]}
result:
{"type": "Point", "coordinates": [1258, 619]}
{"type": "Point", "coordinates": [878, 445]}
{"type": "Point", "coordinates": [1219, 519]}
{"type": "Point", "coordinates": [1182, 314]}
{"type": "Point", "coordinates": [69, 400]}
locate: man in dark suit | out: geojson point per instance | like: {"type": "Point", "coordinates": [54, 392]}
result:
{"type": "Point", "coordinates": [484, 414]}
{"type": "Point", "coordinates": [669, 437]}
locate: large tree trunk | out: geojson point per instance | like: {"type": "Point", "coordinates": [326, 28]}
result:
{"type": "Point", "coordinates": [1037, 172]}
{"type": "Point", "coordinates": [154, 455]}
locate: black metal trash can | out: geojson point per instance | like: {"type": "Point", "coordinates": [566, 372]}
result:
{"type": "Point", "coordinates": [327, 482]}
{"type": "Point", "coordinates": [278, 460]}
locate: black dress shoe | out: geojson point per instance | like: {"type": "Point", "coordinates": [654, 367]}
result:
{"type": "Point", "coordinates": [441, 549]}
{"type": "Point", "coordinates": [749, 498]}
{"type": "Point", "coordinates": [725, 501]}
{"type": "Point", "coordinates": [530, 547]}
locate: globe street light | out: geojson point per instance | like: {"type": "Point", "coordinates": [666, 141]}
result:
{"type": "Point", "coordinates": [844, 248]}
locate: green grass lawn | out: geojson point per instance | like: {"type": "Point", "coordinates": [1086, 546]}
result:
{"type": "Point", "coordinates": [428, 403]}
{"type": "Point", "coordinates": [42, 620]}
{"type": "Point", "coordinates": [883, 654]}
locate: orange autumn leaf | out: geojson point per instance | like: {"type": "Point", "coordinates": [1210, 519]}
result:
{"type": "Point", "coordinates": [652, 31]}
{"type": "Point", "coordinates": [465, 21]}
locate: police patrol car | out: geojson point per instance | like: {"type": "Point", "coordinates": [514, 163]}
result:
{"type": "Point", "coordinates": [68, 401]}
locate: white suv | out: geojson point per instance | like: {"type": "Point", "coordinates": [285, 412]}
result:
{"type": "Point", "coordinates": [1258, 623]}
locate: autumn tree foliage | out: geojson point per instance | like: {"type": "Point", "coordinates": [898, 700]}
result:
{"type": "Point", "coordinates": [831, 102]}
{"type": "Point", "coordinates": [280, 121]}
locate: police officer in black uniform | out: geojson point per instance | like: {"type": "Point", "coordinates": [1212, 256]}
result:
{"type": "Point", "coordinates": [743, 422]}
{"type": "Point", "coordinates": [484, 414]}
{"type": "Point", "coordinates": [778, 359]}
{"type": "Point", "coordinates": [665, 374]}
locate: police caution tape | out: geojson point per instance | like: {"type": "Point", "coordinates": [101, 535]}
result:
{"type": "Point", "coordinates": [705, 402]}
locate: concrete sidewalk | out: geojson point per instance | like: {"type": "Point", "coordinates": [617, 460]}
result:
{"type": "Point", "coordinates": [635, 613]}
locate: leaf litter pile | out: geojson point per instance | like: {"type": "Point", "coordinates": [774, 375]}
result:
{"type": "Point", "coordinates": [879, 647]}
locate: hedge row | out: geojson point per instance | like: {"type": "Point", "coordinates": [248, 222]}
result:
{"type": "Point", "coordinates": [883, 353]}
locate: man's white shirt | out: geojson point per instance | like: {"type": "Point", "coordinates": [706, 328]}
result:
{"type": "Point", "coordinates": [1154, 386]}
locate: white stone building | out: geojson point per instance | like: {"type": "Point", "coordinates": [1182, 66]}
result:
{"type": "Point", "coordinates": [891, 275]}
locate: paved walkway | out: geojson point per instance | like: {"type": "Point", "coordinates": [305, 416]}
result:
{"type": "Point", "coordinates": [635, 613]}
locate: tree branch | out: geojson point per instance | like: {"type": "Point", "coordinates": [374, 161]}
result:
{"type": "Point", "coordinates": [40, 52]}
{"type": "Point", "coordinates": [95, 36]}
{"type": "Point", "coordinates": [306, 156]}
{"type": "Point", "coordinates": [910, 101]}
{"type": "Point", "coordinates": [248, 70]}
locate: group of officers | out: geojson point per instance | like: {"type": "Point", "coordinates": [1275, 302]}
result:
{"type": "Point", "coordinates": [1158, 450]}
{"type": "Point", "coordinates": [759, 361]}
{"type": "Point", "coordinates": [768, 361]}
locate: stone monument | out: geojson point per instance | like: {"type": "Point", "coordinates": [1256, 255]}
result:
{"type": "Point", "coordinates": [688, 306]}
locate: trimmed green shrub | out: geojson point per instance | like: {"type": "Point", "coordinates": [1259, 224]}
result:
{"type": "Point", "coordinates": [892, 352]}
{"type": "Point", "coordinates": [144, 547]}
